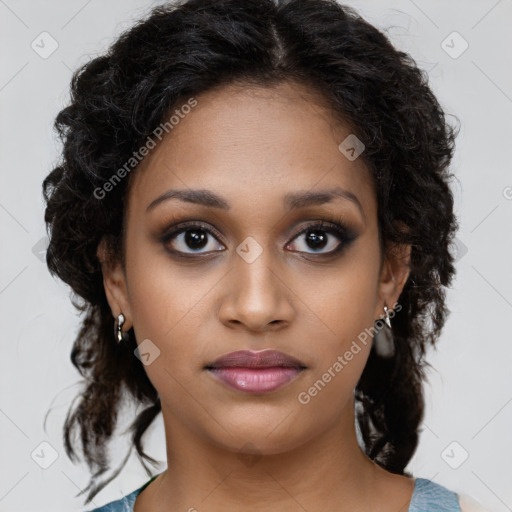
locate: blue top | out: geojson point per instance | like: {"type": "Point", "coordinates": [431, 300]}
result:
{"type": "Point", "coordinates": [427, 497]}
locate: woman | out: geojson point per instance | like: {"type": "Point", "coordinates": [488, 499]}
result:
{"type": "Point", "coordinates": [254, 205]}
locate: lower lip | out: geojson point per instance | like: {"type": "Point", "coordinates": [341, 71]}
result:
{"type": "Point", "coordinates": [255, 380]}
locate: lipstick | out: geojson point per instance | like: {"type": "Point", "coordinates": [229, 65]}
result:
{"type": "Point", "coordinates": [256, 372]}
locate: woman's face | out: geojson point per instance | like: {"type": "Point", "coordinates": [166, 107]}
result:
{"type": "Point", "coordinates": [250, 277]}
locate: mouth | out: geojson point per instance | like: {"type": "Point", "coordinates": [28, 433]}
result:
{"type": "Point", "coordinates": [256, 372]}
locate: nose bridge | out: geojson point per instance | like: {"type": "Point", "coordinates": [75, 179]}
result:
{"type": "Point", "coordinates": [257, 296]}
{"type": "Point", "coordinates": [255, 265]}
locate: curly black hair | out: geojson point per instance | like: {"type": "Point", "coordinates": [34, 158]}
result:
{"type": "Point", "coordinates": [181, 50]}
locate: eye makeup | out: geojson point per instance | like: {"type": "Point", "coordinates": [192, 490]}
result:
{"type": "Point", "coordinates": [198, 232]}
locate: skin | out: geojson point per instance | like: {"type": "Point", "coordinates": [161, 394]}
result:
{"type": "Point", "coordinates": [227, 450]}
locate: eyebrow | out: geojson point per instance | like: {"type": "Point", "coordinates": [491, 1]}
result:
{"type": "Point", "coordinates": [292, 201]}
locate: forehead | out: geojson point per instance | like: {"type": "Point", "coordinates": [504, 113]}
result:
{"type": "Point", "coordinates": [252, 144]}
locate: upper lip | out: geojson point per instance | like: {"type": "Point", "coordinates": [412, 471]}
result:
{"type": "Point", "coordinates": [251, 359]}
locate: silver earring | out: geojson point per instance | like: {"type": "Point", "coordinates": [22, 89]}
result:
{"type": "Point", "coordinates": [383, 340]}
{"type": "Point", "coordinates": [118, 331]}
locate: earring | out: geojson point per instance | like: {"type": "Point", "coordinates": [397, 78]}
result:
{"type": "Point", "coordinates": [383, 340]}
{"type": "Point", "coordinates": [118, 332]}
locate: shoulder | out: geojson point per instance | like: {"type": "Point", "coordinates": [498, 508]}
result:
{"type": "Point", "coordinates": [125, 504]}
{"type": "Point", "coordinates": [468, 504]}
{"type": "Point", "coordinates": [429, 496]}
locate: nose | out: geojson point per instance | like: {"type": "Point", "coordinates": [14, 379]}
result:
{"type": "Point", "coordinates": [256, 294]}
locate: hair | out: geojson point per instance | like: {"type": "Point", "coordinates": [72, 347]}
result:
{"type": "Point", "coordinates": [178, 51]}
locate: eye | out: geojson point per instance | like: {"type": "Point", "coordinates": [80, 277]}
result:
{"type": "Point", "coordinates": [193, 238]}
{"type": "Point", "coordinates": [323, 238]}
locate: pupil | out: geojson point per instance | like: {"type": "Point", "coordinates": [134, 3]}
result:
{"type": "Point", "coordinates": [196, 239]}
{"type": "Point", "coordinates": [317, 241]}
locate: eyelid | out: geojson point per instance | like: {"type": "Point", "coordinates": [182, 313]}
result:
{"type": "Point", "coordinates": [327, 224]}
{"type": "Point", "coordinates": [338, 227]}
{"type": "Point", "coordinates": [330, 224]}
{"type": "Point", "coordinates": [178, 227]}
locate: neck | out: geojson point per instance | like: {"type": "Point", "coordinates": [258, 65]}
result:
{"type": "Point", "coordinates": [330, 468]}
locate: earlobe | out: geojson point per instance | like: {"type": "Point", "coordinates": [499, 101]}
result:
{"type": "Point", "coordinates": [114, 283]}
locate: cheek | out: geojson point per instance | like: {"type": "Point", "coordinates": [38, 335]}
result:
{"type": "Point", "coordinates": [339, 359]}
{"type": "Point", "coordinates": [159, 290]}
{"type": "Point", "coordinates": [170, 305]}
{"type": "Point", "coordinates": [343, 309]}
{"type": "Point", "coordinates": [341, 302]}
{"type": "Point", "coordinates": [342, 354]}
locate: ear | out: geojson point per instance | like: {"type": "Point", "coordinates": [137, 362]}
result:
{"type": "Point", "coordinates": [394, 274]}
{"type": "Point", "coordinates": [114, 282]}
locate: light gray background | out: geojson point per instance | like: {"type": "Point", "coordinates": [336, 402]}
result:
{"type": "Point", "coordinates": [469, 392]}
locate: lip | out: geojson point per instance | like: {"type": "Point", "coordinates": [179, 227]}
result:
{"type": "Point", "coordinates": [256, 372]}
{"type": "Point", "coordinates": [261, 359]}
{"type": "Point", "coordinates": [256, 380]}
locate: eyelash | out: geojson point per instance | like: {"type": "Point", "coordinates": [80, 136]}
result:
{"type": "Point", "coordinates": [327, 225]}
